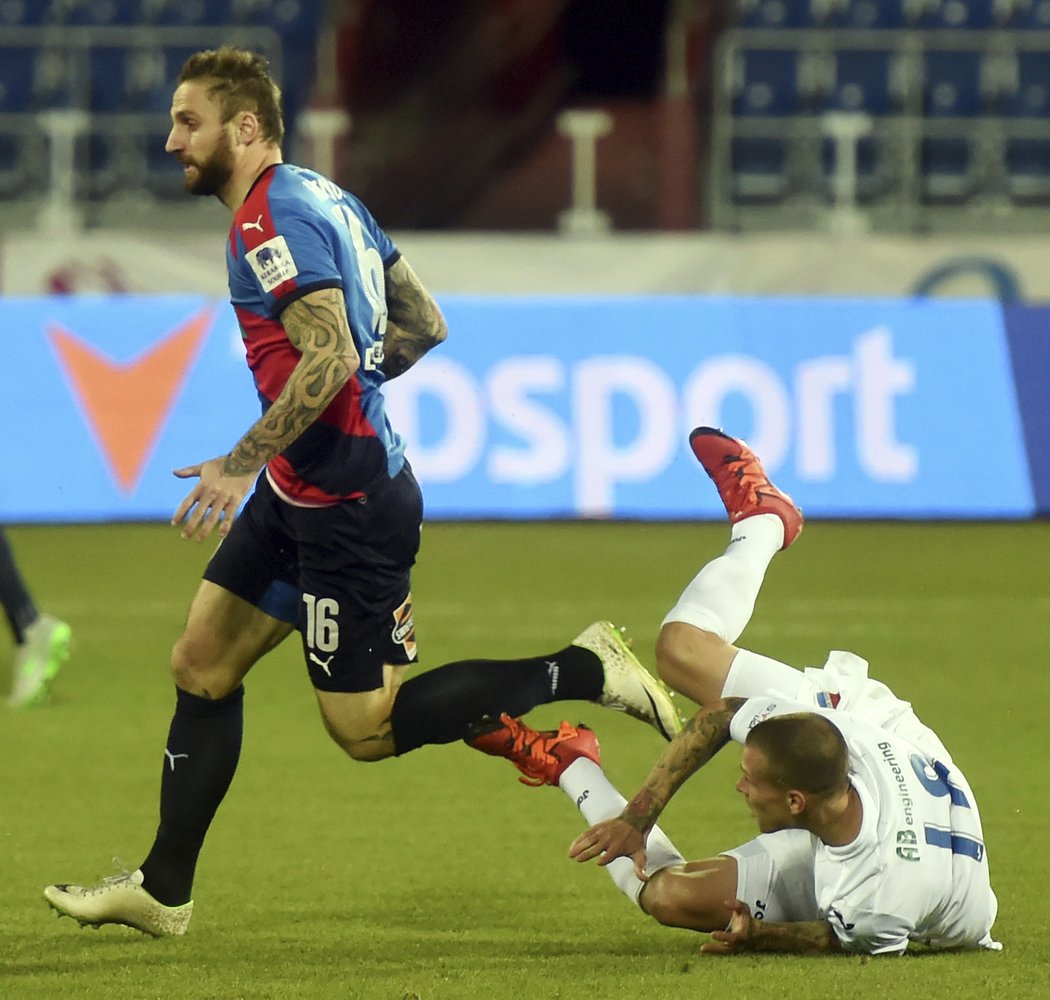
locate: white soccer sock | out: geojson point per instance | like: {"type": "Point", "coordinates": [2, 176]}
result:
{"type": "Point", "coordinates": [754, 674]}
{"type": "Point", "coordinates": [721, 597]}
{"type": "Point", "coordinates": [597, 799]}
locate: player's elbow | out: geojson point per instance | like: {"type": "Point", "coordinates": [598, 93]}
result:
{"type": "Point", "coordinates": [439, 329]}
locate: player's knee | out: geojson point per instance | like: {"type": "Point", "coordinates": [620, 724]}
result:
{"type": "Point", "coordinates": [360, 741]}
{"type": "Point", "coordinates": [675, 899]}
{"type": "Point", "coordinates": [689, 660]}
{"type": "Point", "coordinates": [365, 750]}
{"type": "Point", "coordinates": [188, 662]}
{"type": "Point", "coordinates": [193, 669]}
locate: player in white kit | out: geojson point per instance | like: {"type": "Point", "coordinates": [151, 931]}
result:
{"type": "Point", "coordinates": [869, 837]}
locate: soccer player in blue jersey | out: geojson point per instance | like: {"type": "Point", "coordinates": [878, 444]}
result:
{"type": "Point", "coordinates": [42, 642]}
{"type": "Point", "coordinates": [329, 310]}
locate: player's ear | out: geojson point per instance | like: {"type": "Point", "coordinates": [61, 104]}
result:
{"type": "Point", "coordinates": [796, 802]}
{"type": "Point", "coordinates": [248, 128]}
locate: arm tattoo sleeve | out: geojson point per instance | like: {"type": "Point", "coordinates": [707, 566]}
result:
{"type": "Point", "coordinates": [317, 326]}
{"type": "Point", "coordinates": [414, 321]}
{"type": "Point", "coordinates": [700, 739]}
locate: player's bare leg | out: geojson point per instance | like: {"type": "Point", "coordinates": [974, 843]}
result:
{"type": "Point", "coordinates": [359, 722]}
{"type": "Point", "coordinates": [692, 895]}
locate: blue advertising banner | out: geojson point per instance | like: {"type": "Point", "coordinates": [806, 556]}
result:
{"type": "Point", "coordinates": [560, 407]}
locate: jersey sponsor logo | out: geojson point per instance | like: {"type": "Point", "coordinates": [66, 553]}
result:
{"type": "Point", "coordinates": [273, 263]}
{"type": "Point", "coordinates": [404, 631]}
{"type": "Point", "coordinates": [907, 845]}
{"type": "Point", "coordinates": [257, 224]}
{"type": "Point", "coordinates": [907, 803]}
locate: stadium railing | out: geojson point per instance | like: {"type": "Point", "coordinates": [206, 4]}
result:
{"type": "Point", "coordinates": [948, 128]}
{"type": "Point", "coordinates": [84, 110]}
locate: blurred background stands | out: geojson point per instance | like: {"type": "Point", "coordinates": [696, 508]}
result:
{"type": "Point", "coordinates": [899, 115]}
{"type": "Point", "coordinates": [908, 115]}
{"type": "Point", "coordinates": [85, 88]}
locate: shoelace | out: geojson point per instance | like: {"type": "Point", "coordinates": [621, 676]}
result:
{"type": "Point", "coordinates": [748, 482]}
{"type": "Point", "coordinates": [534, 759]}
{"type": "Point", "coordinates": [124, 874]}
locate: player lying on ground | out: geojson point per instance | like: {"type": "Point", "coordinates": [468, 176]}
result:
{"type": "Point", "coordinates": [869, 836]}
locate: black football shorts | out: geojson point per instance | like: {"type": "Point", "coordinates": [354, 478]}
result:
{"type": "Point", "coordinates": [341, 574]}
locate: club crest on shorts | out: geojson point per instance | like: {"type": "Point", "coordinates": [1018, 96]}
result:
{"type": "Point", "coordinates": [404, 631]}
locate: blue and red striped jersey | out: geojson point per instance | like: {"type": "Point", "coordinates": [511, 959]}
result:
{"type": "Point", "coordinates": [298, 232]}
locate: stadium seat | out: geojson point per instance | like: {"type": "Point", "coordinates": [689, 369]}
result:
{"type": "Point", "coordinates": [1032, 15]}
{"type": "Point", "coordinates": [16, 78]}
{"type": "Point", "coordinates": [948, 169]}
{"type": "Point", "coordinates": [99, 174]}
{"type": "Point", "coordinates": [53, 79]}
{"type": "Point", "coordinates": [775, 14]}
{"type": "Point", "coordinates": [862, 14]}
{"type": "Point", "coordinates": [189, 13]}
{"type": "Point", "coordinates": [164, 174]}
{"type": "Point", "coordinates": [975, 14]}
{"type": "Point", "coordinates": [863, 82]}
{"type": "Point", "coordinates": [759, 169]}
{"type": "Point", "coordinates": [290, 18]}
{"type": "Point", "coordinates": [22, 166]}
{"type": "Point", "coordinates": [952, 84]}
{"type": "Point", "coordinates": [767, 82]}
{"type": "Point", "coordinates": [1027, 163]}
{"type": "Point", "coordinates": [101, 13]}
{"type": "Point", "coordinates": [28, 13]}
{"type": "Point", "coordinates": [1030, 95]}
{"type": "Point", "coordinates": [108, 76]}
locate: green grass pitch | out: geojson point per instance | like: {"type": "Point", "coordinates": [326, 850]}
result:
{"type": "Point", "coordinates": [439, 877]}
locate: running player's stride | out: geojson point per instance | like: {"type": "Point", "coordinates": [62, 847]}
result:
{"type": "Point", "coordinates": [329, 310]}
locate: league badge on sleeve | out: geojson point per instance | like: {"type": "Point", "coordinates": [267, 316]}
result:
{"type": "Point", "coordinates": [272, 263]}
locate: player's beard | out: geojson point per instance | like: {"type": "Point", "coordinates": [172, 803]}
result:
{"type": "Point", "coordinates": [215, 172]}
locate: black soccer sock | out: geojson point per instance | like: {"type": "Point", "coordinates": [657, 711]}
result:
{"type": "Point", "coordinates": [441, 705]}
{"type": "Point", "coordinates": [204, 745]}
{"type": "Point", "coordinates": [14, 595]}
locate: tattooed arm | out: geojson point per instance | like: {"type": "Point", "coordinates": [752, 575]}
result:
{"type": "Point", "coordinates": [700, 739]}
{"type": "Point", "coordinates": [747, 933]}
{"type": "Point", "coordinates": [414, 321]}
{"type": "Point", "coordinates": [317, 326]}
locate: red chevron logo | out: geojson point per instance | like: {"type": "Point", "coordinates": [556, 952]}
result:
{"type": "Point", "coordinates": [127, 403]}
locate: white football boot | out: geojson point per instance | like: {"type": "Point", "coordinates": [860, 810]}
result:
{"type": "Point", "coordinates": [629, 687]}
{"type": "Point", "coordinates": [119, 899]}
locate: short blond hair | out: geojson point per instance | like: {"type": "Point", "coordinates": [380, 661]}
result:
{"type": "Point", "coordinates": [240, 80]}
{"type": "Point", "coordinates": [803, 751]}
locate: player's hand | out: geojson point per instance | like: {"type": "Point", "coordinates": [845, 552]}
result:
{"type": "Point", "coordinates": [213, 501]}
{"type": "Point", "coordinates": [609, 840]}
{"type": "Point", "coordinates": [738, 936]}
